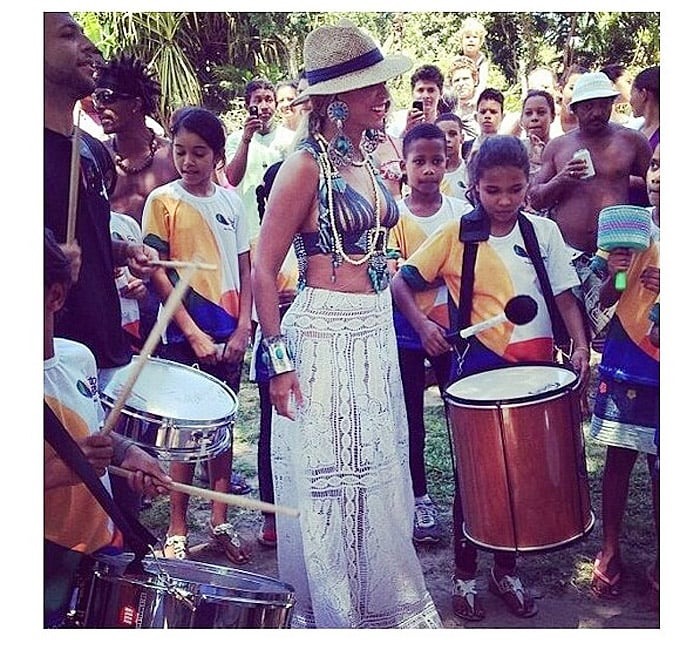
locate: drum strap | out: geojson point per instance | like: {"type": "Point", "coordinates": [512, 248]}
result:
{"type": "Point", "coordinates": [138, 538]}
{"type": "Point", "coordinates": [561, 336]}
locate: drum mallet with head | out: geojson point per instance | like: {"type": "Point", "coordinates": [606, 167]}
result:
{"type": "Point", "coordinates": [623, 226]}
{"type": "Point", "coordinates": [519, 310]}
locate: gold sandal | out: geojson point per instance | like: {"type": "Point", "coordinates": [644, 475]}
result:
{"type": "Point", "coordinates": [175, 547]}
{"type": "Point", "coordinates": [229, 542]}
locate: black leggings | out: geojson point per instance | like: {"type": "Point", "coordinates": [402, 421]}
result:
{"type": "Point", "coordinates": [267, 492]}
{"type": "Point", "coordinates": [412, 364]}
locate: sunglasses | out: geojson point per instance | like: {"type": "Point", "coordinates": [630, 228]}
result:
{"type": "Point", "coordinates": [107, 96]}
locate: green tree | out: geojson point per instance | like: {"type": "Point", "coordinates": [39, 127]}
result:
{"type": "Point", "coordinates": [208, 57]}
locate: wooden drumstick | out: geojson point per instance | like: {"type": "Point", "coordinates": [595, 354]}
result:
{"type": "Point", "coordinates": [74, 182]}
{"type": "Point", "coordinates": [171, 304]}
{"type": "Point", "coordinates": [178, 264]}
{"type": "Point", "coordinates": [223, 497]}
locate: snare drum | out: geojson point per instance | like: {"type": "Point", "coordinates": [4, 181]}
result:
{"type": "Point", "coordinates": [176, 412]}
{"type": "Point", "coordinates": [184, 594]}
{"type": "Point", "coordinates": [520, 457]}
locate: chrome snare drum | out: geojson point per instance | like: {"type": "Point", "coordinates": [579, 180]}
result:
{"type": "Point", "coordinates": [184, 594]}
{"type": "Point", "coordinates": [175, 411]}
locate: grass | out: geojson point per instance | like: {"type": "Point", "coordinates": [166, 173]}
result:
{"type": "Point", "coordinates": [553, 570]}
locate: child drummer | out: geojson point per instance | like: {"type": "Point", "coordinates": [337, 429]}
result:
{"type": "Point", "coordinates": [502, 270]}
{"type": "Point", "coordinates": [73, 518]}
{"type": "Point", "coordinates": [626, 413]}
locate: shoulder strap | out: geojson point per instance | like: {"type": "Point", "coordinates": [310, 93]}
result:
{"type": "Point", "coordinates": [466, 288]}
{"type": "Point", "coordinates": [533, 250]}
{"type": "Point", "coordinates": [55, 434]}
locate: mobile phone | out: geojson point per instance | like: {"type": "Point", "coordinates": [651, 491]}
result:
{"type": "Point", "coordinates": [253, 110]}
{"type": "Point", "coordinates": [418, 103]}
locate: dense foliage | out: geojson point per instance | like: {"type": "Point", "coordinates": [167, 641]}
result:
{"type": "Point", "coordinates": [207, 57]}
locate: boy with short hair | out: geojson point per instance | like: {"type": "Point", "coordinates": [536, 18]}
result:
{"type": "Point", "coordinates": [489, 115]}
{"type": "Point", "coordinates": [421, 212]}
{"type": "Point", "coordinates": [427, 83]}
{"type": "Point", "coordinates": [454, 183]}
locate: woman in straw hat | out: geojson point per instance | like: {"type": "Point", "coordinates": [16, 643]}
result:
{"type": "Point", "coordinates": [339, 434]}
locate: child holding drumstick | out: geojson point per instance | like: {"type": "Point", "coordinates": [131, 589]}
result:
{"type": "Point", "coordinates": [626, 412]}
{"type": "Point", "coordinates": [73, 518]}
{"type": "Point", "coordinates": [194, 218]}
{"type": "Point", "coordinates": [502, 270]}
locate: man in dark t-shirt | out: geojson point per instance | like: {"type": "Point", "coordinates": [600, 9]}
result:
{"type": "Point", "coordinates": [92, 313]}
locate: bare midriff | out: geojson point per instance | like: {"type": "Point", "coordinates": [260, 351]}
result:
{"type": "Point", "coordinates": [348, 277]}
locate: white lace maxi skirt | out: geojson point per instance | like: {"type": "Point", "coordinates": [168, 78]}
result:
{"type": "Point", "coordinates": [343, 462]}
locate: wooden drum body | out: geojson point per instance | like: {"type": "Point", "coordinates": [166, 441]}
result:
{"type": "Point", "coordinates": [520, 457]}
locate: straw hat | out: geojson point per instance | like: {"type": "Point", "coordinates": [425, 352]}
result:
{"type": "Point", "coordinates": [593, 85]}
{"type": "Point", "coordinates": [339, 58]}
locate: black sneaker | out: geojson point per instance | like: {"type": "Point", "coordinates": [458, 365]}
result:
{"type": "Point", "coordinates": [426, 527]}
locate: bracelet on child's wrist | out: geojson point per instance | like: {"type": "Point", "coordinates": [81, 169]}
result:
{"type": "Point", "coordinates": [277, 357]}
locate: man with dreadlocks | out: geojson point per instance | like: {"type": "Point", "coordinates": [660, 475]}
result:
{"type": "Point", "coordinates": [126, 94]}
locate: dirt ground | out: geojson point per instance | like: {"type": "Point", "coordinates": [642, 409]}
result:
{"type": "Point", "coordinates": [570, 607]}
{"type": "Point", "coordinates": [561, 606]}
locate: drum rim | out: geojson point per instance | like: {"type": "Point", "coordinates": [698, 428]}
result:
{"type": "Point", "coordinates": [520, 399]}
{"type": "Point", "coordinates": [150, 417]}
{"type": "Point", "coordinates": [151, 578]}
{"type": "Point", "coordinates": [103, 564]}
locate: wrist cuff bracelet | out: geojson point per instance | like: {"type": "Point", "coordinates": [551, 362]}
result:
{"type": "Point", "coordinates": [277, 357]}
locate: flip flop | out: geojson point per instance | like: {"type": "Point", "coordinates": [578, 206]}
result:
{"type": "Point", "coordinates": [602, 584]}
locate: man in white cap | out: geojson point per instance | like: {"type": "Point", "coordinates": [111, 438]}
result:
{"type": "Point", "coordinates": [586, 170]}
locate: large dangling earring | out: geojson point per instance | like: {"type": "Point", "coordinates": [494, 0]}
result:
{"type": "Point", "coordinates": [370, 140]}
{"type": "Point", "coordinates": [340, 149]}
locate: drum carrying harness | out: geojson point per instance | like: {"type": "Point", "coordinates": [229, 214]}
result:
{"type": "Point", "coordinates": [475, 227]}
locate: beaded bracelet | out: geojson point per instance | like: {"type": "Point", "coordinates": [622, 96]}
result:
{"type": "Point", "coordinates": [277, 357]}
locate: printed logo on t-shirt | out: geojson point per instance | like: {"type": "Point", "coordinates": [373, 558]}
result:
{"type": "Point", "coordinates": [83, 389]}
{"type": "Point", "coordinates": [226, 221]}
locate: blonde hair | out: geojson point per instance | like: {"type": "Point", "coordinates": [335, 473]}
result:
{"type": "Point", "coordinates": [472, 24]}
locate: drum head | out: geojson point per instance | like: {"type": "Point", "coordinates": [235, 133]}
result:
{"type": "Point", "coordinates": [168, 390]}
{"type": "Point", "coordinates": [511, 385]}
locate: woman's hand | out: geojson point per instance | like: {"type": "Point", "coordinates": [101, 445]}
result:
{"type": "Point", "coordinates": [619, 259]}
{"type": "Point", "coordinates": [285, 394]}
{"type": "Point", "coordinates": [651, 278]}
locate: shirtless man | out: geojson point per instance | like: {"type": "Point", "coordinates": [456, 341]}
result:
{"type": "Point", "coordinates": [617, 153]}
{"type": "Point", "coordinates": [573, 198]}
{"type": "Point", "coordinates": [125, 94]}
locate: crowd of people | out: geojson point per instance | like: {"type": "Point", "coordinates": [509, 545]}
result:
{"type": "Point", "coordinates": [336, 224]}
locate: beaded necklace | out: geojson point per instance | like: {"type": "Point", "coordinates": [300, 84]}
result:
{"type": "Point", "coordinates": [148, 161]}
{"type": "Point", "coordinates": [329, 172]}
